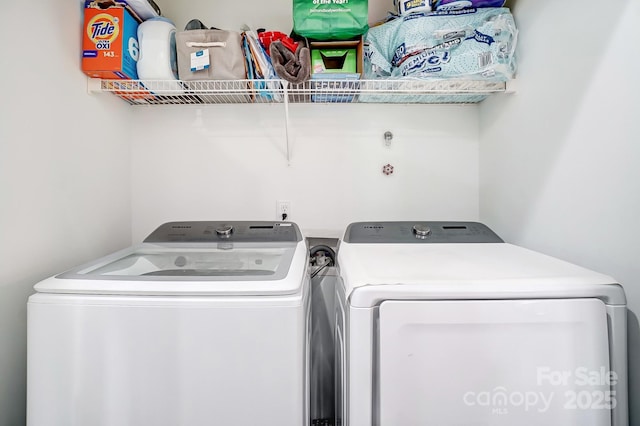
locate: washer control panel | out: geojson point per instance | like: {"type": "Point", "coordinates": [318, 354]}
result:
{"type": "Point", "coordinates": [211, 232]}
{"type": "Point", "coordinates": [419, 233]}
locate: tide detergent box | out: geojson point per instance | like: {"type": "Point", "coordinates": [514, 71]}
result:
{"type": "Point", "coordinates": [109, 43]}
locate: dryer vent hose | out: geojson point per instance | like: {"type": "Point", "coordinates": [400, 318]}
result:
{"type": "Point", "coordinates": [321, 256]}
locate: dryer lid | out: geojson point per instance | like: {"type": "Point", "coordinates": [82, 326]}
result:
{"type": "Point", "coordinates": [371, 273]}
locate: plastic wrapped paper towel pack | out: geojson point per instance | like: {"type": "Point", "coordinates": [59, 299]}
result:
{"type": "Point", "coordinates": [475, 44]}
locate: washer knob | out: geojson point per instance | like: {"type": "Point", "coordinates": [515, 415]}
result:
{"type": "Point", "coordinates": [224, 231]}
{"type": "Point", "coordinates": [421, 231]}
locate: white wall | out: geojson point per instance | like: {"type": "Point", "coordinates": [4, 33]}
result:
{"type": "Point", "coordinates": [228, 162]}
{"type": "Point", "coordinates": [272, 15]}
{"type": "Point", "coordinates": [64, 172]}
{"type": "Point", "coordinates": [559, 160]}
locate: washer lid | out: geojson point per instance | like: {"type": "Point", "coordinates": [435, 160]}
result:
{"type": "Point", "coordinates": [223, 268]}
{"type": "Point", "coordinates": [170, 262]}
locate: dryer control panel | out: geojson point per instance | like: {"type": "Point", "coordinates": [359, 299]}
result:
{"type": "Point", "coordinates": [237, 232]}
{"type": "Point", "coordinates": [419, 233]}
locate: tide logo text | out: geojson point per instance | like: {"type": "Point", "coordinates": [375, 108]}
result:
{"type": "Point", "coordinates": [103, 29]}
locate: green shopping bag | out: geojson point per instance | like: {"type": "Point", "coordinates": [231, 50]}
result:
{"type": "Point", "coordinates": [330, 19]}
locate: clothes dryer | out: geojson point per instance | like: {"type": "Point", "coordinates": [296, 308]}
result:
{"type": "Point", "coordinates": [203, 323]}
{"type": "Point", "coordinates": [442, 323]}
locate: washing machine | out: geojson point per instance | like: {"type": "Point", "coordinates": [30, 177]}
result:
{"type": "Point", "coordinates": [443, 323]}
{"type": "Point", "coordinates": [203, 323]}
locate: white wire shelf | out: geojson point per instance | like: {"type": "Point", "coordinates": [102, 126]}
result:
{"type": "Point", "coordinates": [161, 92]}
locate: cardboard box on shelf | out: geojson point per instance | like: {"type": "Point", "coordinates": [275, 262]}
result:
{"type": "Point", "coordinates": [333, 61]}
{"type": "Point", "coordinates": [109, 43]}
{"type": "Point", "coordinates": [334, 67]}
{"type": "Point", "coordinates": [105, 4]}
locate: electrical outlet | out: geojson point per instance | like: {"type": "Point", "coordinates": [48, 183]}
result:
{"type": "Point", "coordinates": [283, 208]}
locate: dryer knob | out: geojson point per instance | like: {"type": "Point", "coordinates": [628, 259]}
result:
{"type": "Point", "coordinates": [224, 231]}
{"type": "Point", "coordinates": [421, 231]}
